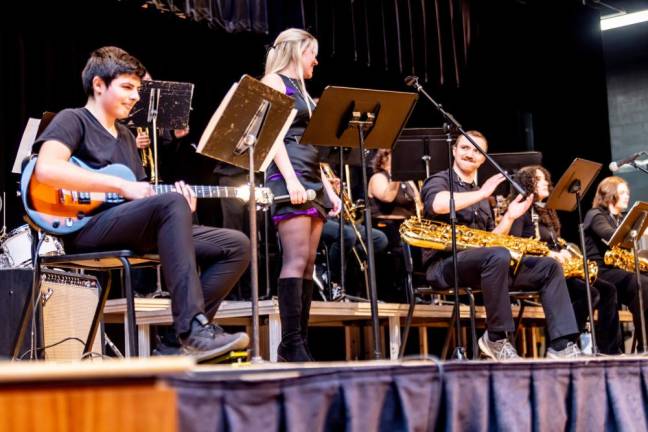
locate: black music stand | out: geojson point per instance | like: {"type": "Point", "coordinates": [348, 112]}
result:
{"type": "Point", "coordinates": [627, 236]}
{"type": "Point", "coordinates": [420, 152]}
{"type": "Point", "coordinates": [567, 195]}
{"type": "Point", "coordinates": [251, 120]}
{"type": "Point", "coordinates": [163, 104]}
{"type": "Point", "coordinates": [368, 119]}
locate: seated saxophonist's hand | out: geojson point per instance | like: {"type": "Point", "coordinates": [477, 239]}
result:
{"type": "Point", "coordinates": [518, 207]}
{"type": "Point", "coordinates": [558, 256]}
{"type": "Point", "coordinates": [142, 140]}
{"type": "Point", "coordinates": [491, 184]}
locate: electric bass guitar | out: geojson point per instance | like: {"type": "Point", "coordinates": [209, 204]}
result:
{"type": "Point", "coordinates": [60, 211]}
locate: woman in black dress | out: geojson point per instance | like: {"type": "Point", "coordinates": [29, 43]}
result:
{"type": "Point", "coordinates": [295, 170]}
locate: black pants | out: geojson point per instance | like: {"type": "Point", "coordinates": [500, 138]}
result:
{"type": "Point", "coordinates": [628, 294]}
{"type": "Point", "coordinates": [488, 269]}
{"type": "Point", "coordinates": [604, 299]}
{"type": "Point", "coordinates": [163, 224]}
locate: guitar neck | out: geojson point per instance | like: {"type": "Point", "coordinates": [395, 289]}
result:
{"type": "Point", "coordinates": [202, 191]}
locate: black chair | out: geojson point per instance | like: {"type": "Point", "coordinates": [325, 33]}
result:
{"type": "Point", "coordinates": [524, 299]}
{"type": "Point", "coordinates": [96, 261]}
{"type": "Point", "coordinates": [428, 290]}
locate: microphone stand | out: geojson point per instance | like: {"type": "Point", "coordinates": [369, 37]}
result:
{"type": "Point", "coordinates": [639, 167]}
{"type": "Point", "coordinates": [412, 81]}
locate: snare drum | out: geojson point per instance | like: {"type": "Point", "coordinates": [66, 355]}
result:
{"type": "Point", "coordinates": [17, 247]}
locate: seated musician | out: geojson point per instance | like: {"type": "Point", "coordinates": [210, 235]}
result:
{"type": "Point", "coordinates": [146, 222]}
{"type": "Point", "coordinates": [488, 269]}
{"type": "Point", "coordinates": [391, 202]}
{"type": "Point", "coordinates": [543, 224]}
{"type": "Point", "coordinates": [611, 200]}
{"type": "Point", "coordinates": [331, 237]}
{"type": "Point", "coordinates": [390, 199]}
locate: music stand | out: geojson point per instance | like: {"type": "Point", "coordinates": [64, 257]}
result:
{"type": "Point", "coordinates": [627, 236]}
{"type": "Point", "coordinates": [164, 104]}
{"type": "Point", "coordinates": [367, 119]}
{"type": "Point", "coordinates": [566, 196]}
{"type": "Point", "coordinates": [252, 118]}
{"type": "Point", "coordinates": [412, 154]}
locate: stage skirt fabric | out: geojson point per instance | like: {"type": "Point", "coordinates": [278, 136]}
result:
{"type": "Point", "coordinates": [590, 395]}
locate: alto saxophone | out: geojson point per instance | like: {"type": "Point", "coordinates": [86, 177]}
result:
{"type": "Point", "coordinates": [624, 259]}
{"type": "Point", "coordinates": [430, 234]}
{"type": "Point", "coordinates": [573, 265]}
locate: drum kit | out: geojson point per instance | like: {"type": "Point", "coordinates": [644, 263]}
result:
{"type": "Point", "coordinates": [16, 246]}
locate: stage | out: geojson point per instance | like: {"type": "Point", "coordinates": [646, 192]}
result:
{"type": "Point", "coordinates": [416, 395]}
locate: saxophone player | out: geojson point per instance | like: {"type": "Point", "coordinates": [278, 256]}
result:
{"type": "Point", "coordinates": [543, 224]}
{"type": "Point", "coordinates": [610, 201]}
{"type": "Point", "coordinates": [488, 269]}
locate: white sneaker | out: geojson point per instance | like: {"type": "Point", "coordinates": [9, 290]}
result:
{"type": "Point", "coordinates": [570, 351]}
{"type": "Point", "coordinates": [497, 350]}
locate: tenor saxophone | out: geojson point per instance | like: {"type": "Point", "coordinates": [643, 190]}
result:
{"type": "Point", "coordinates": [624, 259]}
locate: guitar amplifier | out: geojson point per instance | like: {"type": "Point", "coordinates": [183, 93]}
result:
{"type": "Point", "coordinates": [69, 303]}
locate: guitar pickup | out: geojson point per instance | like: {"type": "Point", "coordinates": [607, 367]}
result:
{"type": "Point", "coordinates": [83, 198]}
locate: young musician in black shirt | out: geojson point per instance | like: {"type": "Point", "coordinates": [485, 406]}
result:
{"type": "Point", "coordinates": [489, 268]}
{"type": "Point", "coordinates": [146, 222]}
{"type": "Point", "coordinates": [543, 223]}
{"type": "Point", "coordinates": [611, 200]}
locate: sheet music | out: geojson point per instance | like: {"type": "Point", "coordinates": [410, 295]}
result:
{"type": "Point", "coordinates": [26, 143]}
{"type": "Point", "coordinates": [220, 136]}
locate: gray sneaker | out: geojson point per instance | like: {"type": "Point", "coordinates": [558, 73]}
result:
{"type": "Point", "coordinates": [207, 341]}
{"type": "Point", "coordinates": [570, 351]}
{"type": "Point", "coordinates": [497, 350]}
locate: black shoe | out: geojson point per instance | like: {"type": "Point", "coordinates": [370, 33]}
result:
{"type": "Point", "coordinates": [294, 352]}
{"type": "Point", "coordinates": [207, 341]}
{"type": "Point", "coordinates": [162, 349]}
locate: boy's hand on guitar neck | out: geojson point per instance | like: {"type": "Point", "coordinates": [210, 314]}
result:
{"type": "Point", "coordinates": [188, 193]}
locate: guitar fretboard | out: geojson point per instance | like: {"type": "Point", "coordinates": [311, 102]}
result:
{"type": "Point", "coordinates": [202, 191]}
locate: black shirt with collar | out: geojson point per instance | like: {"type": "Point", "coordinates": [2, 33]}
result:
{"type": "Point", "coordinates": [599, 225]}
{"type": "Point", "coordinates": [478, 215]}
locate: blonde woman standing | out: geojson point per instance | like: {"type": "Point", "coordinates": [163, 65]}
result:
{"type": "Point", "coordinates": [290, 61]}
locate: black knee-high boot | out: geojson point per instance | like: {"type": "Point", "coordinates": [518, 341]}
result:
{"type": "Point", "coordinates": [307, 297]}
{"type": "Point", "coordinates": [291, 348]}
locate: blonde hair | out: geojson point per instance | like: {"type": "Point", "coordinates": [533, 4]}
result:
{"type": "Point", "coordinates": [288, 48]}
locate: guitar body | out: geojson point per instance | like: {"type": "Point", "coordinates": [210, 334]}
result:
{"type": "Point", "coordinates": [64, 212]}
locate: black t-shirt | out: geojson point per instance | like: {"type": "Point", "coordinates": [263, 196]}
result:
{"type": "Point", "coordinates": [90, 142]}
{"type": "Point", "coordinates": [478, 215]}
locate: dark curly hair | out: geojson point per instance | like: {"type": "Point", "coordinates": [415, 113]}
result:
{"type": "Point", "coordinates": [379, 159]}
{"type": "Point", "coordinates": [526, 176]}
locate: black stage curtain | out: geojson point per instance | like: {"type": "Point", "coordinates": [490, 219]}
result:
{"type": "Point", "coordinates": [590, 395]}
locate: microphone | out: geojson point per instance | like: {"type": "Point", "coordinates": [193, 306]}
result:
{"type": "Point", "coordinates": [310, 196]}
{"type": "Point", "coordinates": [412, 81]}
{"type": "Point", "coordinates": [622, 169]}
{"type": "Point", "coordinates": [614, 166]}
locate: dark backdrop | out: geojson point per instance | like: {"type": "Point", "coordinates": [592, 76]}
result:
{"type": "Point", "coordinates": [626, 57]}
{"type": "Point", "coordinates": [531, 77]}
